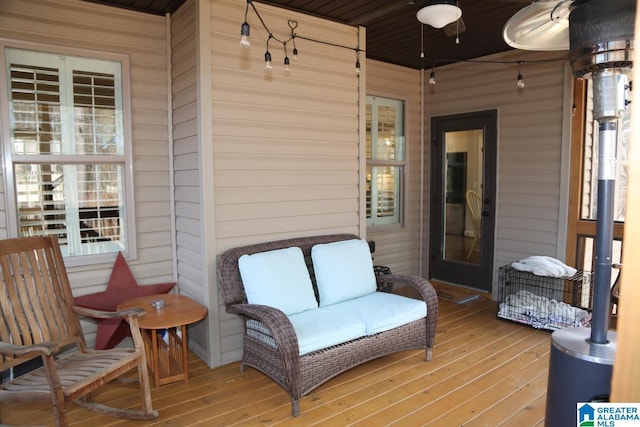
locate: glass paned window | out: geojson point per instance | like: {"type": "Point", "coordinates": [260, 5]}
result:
{"type": "Point", "coordinates": [385, 160]}
{"type": "Point", "coordinates": [67, 150]}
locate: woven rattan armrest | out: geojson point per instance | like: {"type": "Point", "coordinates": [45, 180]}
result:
{"type": "Point", "coordinates": [394, 283]}
{"type": "Point", "coordinates": [278, 324]}
{"type": "Point", "coordinates": [46, 348]}
{"type": "Point", "coordinates": [416, 287]}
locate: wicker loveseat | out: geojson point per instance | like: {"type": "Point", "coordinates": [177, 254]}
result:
{"type": "Point", "coordinates": [270, 342]}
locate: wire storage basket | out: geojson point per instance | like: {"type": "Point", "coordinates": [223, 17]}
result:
{"type": "Point", "coordinates": [543, 302]}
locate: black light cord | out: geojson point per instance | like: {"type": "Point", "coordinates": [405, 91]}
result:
{"type": "Point", "coordinates": [489, 61]}
{"type": "Point", "coordinates": [293, 35]}
{"type": "Point", "coordinates": [245, 30]}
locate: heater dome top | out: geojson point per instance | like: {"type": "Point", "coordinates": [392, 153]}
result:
{"type": "Point", "coordinates": [543, 25]}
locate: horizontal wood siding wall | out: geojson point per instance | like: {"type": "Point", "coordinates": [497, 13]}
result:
{"type": "Point", "coordinates": [285, 148]}
{"type": "Point", "coordinates": [399, 248]}
{"type": "Point", "coordinates": [530, 144]}
{"type": "Point", "coordinates": [78, 24]}
{"type": "Point", "coordinates": [192, 273]}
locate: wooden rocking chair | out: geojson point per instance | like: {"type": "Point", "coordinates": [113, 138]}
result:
{"type": "Point", "coordinates": [39, 319]}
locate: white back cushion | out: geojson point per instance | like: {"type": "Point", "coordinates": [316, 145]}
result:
{"type": "Point", "coordinates": [279, 279]}
{"type": "Point", "coordinates": [344, 270]}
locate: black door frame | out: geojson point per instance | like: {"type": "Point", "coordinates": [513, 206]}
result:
{"type": "Point", "coordinates": [477, 276]}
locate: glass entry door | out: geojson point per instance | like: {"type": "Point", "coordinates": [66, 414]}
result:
{"type": "Point", "coordinates": [463, 194]}
{"type": "Point", "coordinates": [463, 190]}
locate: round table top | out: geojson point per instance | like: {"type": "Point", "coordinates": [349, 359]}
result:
{"type": "Point", "coordinates": [178, 310]}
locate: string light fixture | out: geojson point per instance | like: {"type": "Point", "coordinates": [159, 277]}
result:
{"type": "Point", "coordinates": [519, 79]}
{"type": "Point", "coordinates": [267, 57]}
{"type": "Point", "coordinates": [432, 78]}
{"type": "Point", "coordinates": [439, 13]}
{"type": "Point", "coordinates": [245, 41]}
{"type": "Point", "coordinates": [421, 40]}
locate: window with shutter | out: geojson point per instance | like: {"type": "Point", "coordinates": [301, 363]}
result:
{"type": "Point", "coordinates": [67, 150]}
{"type": "Point", "coordinates": [385, 160]}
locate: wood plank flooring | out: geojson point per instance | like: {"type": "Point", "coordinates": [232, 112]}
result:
{"type": "Point", "coordinates": [484, 372]}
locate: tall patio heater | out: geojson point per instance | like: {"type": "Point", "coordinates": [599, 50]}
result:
{"type": "Point", "coordinates": [599, 36]}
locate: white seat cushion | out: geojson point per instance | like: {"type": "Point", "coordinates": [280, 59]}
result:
{"type": "Point", "coordinates": [279, 279]}
{"type": "Point", "coordinates": [343, 270]}
{"type": "Point", "coordinates": [318, 329]}
{"type": "Point", "coordinates": [381, 311]}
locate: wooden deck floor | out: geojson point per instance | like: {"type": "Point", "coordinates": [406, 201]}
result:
{"type": "Point", "coordinates": [484, 372]}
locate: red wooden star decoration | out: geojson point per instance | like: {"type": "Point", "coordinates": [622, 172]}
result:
{"type": "Point", "coordinates": [122, 286]}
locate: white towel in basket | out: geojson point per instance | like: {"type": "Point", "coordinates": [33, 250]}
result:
{"type": "Point", "coordinates": [544, 266]}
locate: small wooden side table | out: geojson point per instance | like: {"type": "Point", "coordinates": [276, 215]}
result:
{"type": "Point", "coordinates": [167, 360]}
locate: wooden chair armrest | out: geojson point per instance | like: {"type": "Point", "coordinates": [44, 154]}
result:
{"type": "Point", "coordinates": [97, 314]}
{"type": "Point", "coordinates": [46, 348]}
{"type": "Point", "coordinates": [131, 315]}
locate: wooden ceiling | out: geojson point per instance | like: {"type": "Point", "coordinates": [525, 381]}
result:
{"type": "Point", "coordinates": [393, 32]}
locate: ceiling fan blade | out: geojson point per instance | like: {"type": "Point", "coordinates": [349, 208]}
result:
{"type": "Point", "coordinates": [455, 28]}
{"type": "Point", "coordinates": [543, 25]}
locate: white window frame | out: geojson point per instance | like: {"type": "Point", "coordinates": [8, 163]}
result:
{"type": "Point", "coordinates": [397, 220]}
{"type": "Point", "coordinates": [125, 159]}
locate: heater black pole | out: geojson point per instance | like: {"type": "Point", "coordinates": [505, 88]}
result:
{"type": "Point", "coordinates": [609, 87]}
{"type": "Point", "coordinates": [604, 232]}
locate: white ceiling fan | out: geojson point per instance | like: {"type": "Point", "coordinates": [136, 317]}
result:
{"type": "Point", "coordinates": [445, 14]}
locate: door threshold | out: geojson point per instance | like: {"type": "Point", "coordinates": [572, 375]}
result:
{"type": "Point", "coordinates": [458, 294]}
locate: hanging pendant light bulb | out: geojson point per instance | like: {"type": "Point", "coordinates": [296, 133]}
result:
{"type": "Point", "coordinates": [287, 69]}
{"type": "Point", "coordinates": [421, 40]}
{"type": "Point", "coordinates": [520, 80]}
{"type": "Point", "coordinates": [245, 31]}
{"type": "Point", "coordinates": [267, 56]}
{"type": "Point", "coordinates": [267, 61]}
{"type": "Point", "coordinates": [432, 79]}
